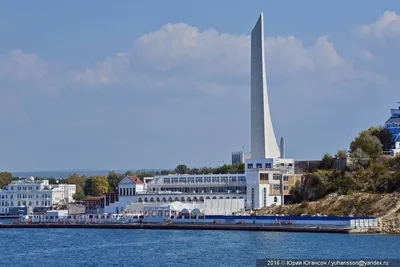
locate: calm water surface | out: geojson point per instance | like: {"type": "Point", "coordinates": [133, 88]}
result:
{"type": "Point", "coordinates": [104, 247]}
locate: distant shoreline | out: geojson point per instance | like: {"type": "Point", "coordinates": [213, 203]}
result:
{"type": "Point", "coordinates": [65, 174]}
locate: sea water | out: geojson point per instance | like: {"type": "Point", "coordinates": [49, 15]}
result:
{"type": "Point", "coordinates": [123, 247]}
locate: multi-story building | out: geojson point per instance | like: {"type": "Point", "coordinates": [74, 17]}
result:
{"type": "Point", "coordinates": [34, 195]}
{"type": "Point", "coordinates": [393, 125]}
{"type": "Point", "coordinates": [240, 157]}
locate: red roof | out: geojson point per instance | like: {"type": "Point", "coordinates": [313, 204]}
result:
{"type": "Point", "coordinates": [135, 179]}
{"type": "Point", "coordinates": [93, 198]}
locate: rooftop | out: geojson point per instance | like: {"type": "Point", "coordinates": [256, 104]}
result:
{"type": "Point", "coordinates": [393, 120]}
{"type": "Point", "coordinates": [93, 198]}
{"type": "Point", "coordinates": [135, 179]}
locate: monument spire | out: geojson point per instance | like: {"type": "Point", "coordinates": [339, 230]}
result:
{"type": "Point", "coordinates": [263, 142]}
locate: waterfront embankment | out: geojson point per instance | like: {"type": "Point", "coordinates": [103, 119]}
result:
{"type": "Point", "coordinates": [174, 226]}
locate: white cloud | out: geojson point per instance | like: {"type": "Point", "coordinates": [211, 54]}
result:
{"type": "Point", "coordinates": [387, 26]}
{"type": "Point", "coordinates": [22, 67]}
{"type": "Point", "coordinates": [182, 56]}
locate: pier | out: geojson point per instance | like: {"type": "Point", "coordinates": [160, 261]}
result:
{"type": "Point", "coordinates": [175, 226]}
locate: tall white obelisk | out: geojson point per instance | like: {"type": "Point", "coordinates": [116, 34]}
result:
{"type": "Point", "coordinates": [263, 142]}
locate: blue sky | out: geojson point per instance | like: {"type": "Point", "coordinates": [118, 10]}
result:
{"type": "Point", "coordinates": [89, 85]}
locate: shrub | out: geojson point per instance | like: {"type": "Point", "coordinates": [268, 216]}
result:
{"type": "Point", "coordinates": [304, 204]}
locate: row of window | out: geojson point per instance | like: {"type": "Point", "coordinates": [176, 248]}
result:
{"type": "Point", "coordinates": [222, 179]}
{"type": "Point", "coordinates": [181, 199]}
{"type": "Point", "coordinates": [275, 177]}
{"type": "Point", "coordinates": [267, 165]}
{"type": "Point", "coordinates": [3, 210]}
{"type": "Point", "coordinates": [278, 187]}
{"type": "Point", "coordinates": [25, 196]}
{"type": "Point", "coordinates": [127, 191]}
{"type": "Point", "coordinates": [24, 203]}
{"type": "Point", "coordinates": [208, 189]}
{"type": "Point", "coordinates": [24, 188]}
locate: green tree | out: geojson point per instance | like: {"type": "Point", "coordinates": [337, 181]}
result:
{"type": "Point", "coordinates": [359, 159]}
{"type": "Point", "coordinates": [5, 178]}
{"type": "Point", "coordinates": [295, 193]}
{"type": "Point", "coordinates": [79, 196]}
{"type": "Point", "coordinates": [97, 185]}
{"type": "Point", "coordinates": [141, 175]}
{"type": "Point", "coordinates": [384, 136]}
{"type": "Point", "coordinates": [327, 162]}
{"type": "Point", "coordinates": [113, 179]}
{"type": "Point", "coordinates": [182, 169]}
{"type": "Point", "coordinates": [368, 143]}
{"type": "Point", "coordinates": [341, 154]}
{"type": "Point", "coordinates": [128, 173]}
{"type": "Point", "coordinates": [315, 185]}
{"type": "Point", "coordinates": [79, 181]}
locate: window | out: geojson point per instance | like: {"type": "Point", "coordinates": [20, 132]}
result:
{"type": "Point", "coordinates": [264, 177]}
{"type": "Point", "coordinates": [215, 179]}
{"type": "Point", "coordinates": [276, 177]}
{"type": "Point", "coordinates": [249, 166]}
{"type": "Point", "coordinates": [175, 180]}
{"type": "Point", "coordinates": [242, 178]}
{"type": "Point", "coordinates": [207, 179]}
{"type": "Point", "coordinates": [276, 187]}
{"type": "Point", "coordinates": [285, 187]}
{"type": "Point", "coordinates": [191, 180]}
{"type": "Point", "coordinates": [275, 199]}
{"type": "Point", "coordinates": [233, 179]}
{"type": "Point", "coordinates": [199, 179]}
{"type": "Point", "coordinates": [167, 180]}
{"type": "Point", "coordinates": [182, 179]}
{"type": "Point", "coordinates": [268, 165]}
{"type": "Point", "coordinates": [286, 178]}
{"type": "Point", "coordinates": [224, 179]}
{"type": "Point", "coordinates": [259, 165]}
{"type": "Point", "coordinates": [290, 164]}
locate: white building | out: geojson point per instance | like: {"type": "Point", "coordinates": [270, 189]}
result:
{"type": "Point", "coordinates": [174, 210]}
{"type": "Point", "coordinates": [180, 187]}
{"type": "Point", "coordinates": [34, 195]}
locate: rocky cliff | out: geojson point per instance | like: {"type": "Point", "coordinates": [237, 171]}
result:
{"type": "Point", "coordinates": [385, 207]}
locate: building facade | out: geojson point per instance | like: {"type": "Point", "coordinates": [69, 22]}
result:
{"type": "Point", "coordinates": [35, 195]}
{"type": "Point", "coordinates": [240, 157]}
{"type": "Point", "coordinates": [263, 184]}
{"type": "Point", "coordinates": [393, 125]}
